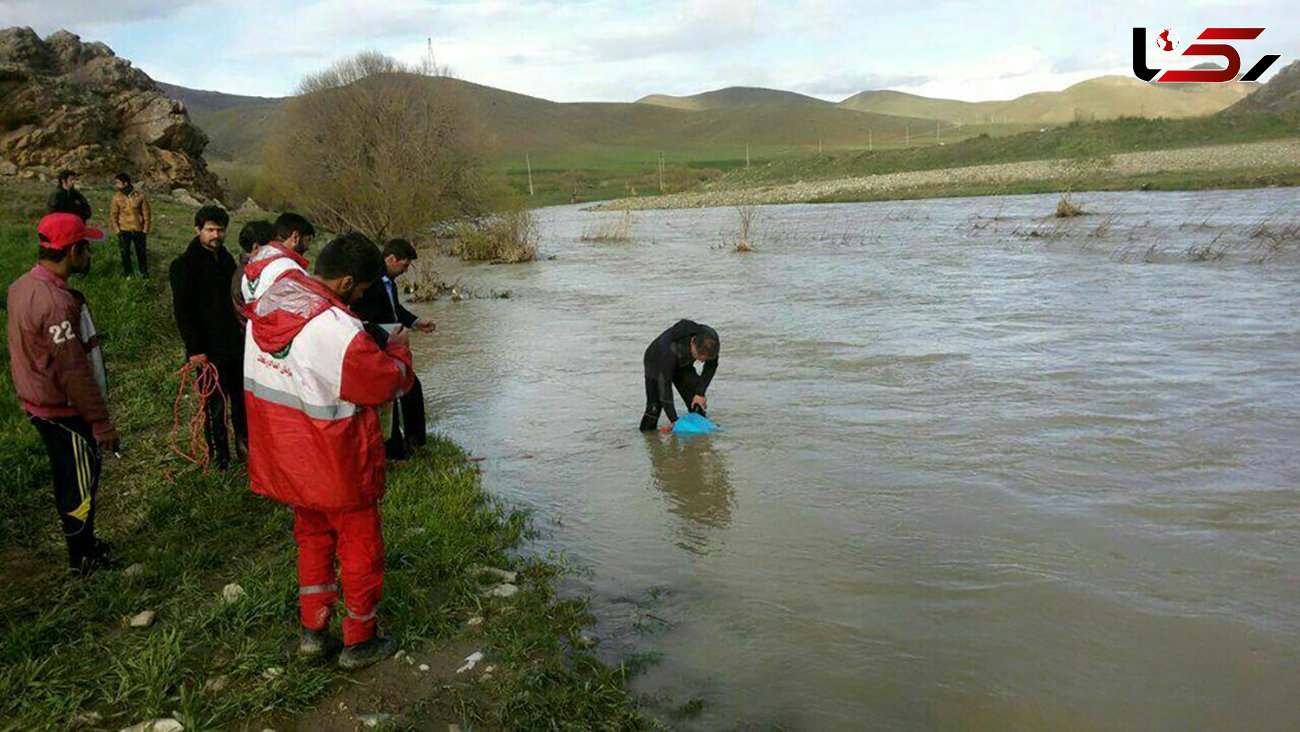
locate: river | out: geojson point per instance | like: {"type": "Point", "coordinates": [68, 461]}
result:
{"type": "Point", "coordinates": [979, 468]}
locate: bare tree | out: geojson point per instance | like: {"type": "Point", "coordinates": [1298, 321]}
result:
{"type": "Point", "coordinates": [377, 146]}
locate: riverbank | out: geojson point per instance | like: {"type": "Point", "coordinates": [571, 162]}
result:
{"type": "Point", "coordinates": [1247, 165]}
{"type": "Point", "coordinates": [68, 658]}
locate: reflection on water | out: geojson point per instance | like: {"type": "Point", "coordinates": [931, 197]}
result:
{"type": "Point", "coordinates": [971, 477]}
{"type": "Point", "coordinates": [693, 478]}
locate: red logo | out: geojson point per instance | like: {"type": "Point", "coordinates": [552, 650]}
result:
{"type": "Point", "coordinates": [1167, 40]}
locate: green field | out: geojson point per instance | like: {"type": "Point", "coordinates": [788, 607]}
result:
{"type": "Point", "coordinates": [68, 661]}
{"type": "Point", "coordinates": [1072, 140]}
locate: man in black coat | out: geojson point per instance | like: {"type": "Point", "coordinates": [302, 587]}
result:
{"type": "Point", "coordinates": [380, 306]}
{"type": "Point", "coordinates": [67, 199]}
{"type": "Point", "coordinates": [670, 362]}
{"type": "Point", "coordinates": [205, 316]}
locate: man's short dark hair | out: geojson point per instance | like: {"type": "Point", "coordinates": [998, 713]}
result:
{"type": "Point", "coordinates": [350, 254]}
{"type": "Point", "coordinates": [48, 254]}
{"type": "Point", "coordinates": [123, 177]}
{"type": "Point", "coordinates": [707, 346]}
{"type": "Point", "coordinates": [256, 233]}
{"type": "Point", "coordinates": [211, 213]}
{"type": "Point", "coordinates": [289, 223]}
{"type": "Point", "coordinates": [65, 174]}
{"type": "Point", "coordinates": [401, 249]}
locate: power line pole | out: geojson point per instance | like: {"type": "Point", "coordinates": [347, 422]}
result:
{"type": "Point", "coordinates": [747, 156]}
{"type": "Point", "coordinates": [936, 130]}
{"type": "Point", "coordinates": [661, 171]}
{"type": "Point", "coordinates": [870, 146]}
{"type": "Point", "coordinates": [529, 162]}
{"type": "Point", "coordinates": [907, 135]}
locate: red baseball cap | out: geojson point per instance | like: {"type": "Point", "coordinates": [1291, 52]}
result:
{"type": "Point", "coordinates": [62, 230]}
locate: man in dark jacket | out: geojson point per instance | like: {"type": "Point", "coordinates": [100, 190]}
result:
{"type": "Point", "coordinates": [67, 199]}
{"type": "Point", "coordinates": [670, 362]}
{"type": "Point", "coordinates": [382, 307]}
{"type": "Point", "coordinates": [200, 280]}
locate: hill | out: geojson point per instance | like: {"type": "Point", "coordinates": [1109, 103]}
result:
{"type": "Point", "coordinates": [732, 97]}
{"type": "Point", "coordinates": [1280, 95]}
{"type": "Point", "coordinates": [1106, 97]}
{"type": "Point", "coordinates": [519, 123]}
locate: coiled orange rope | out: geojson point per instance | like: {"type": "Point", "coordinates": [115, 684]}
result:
{"type": "Point", "coordinates": [199, 382]}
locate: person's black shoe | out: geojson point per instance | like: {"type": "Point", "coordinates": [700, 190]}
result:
{"type": "Point", "coordinates": [394, 452]}
{"type": "Point", "coordinates": [649, 423]}
{"type": "Point", "coordinates": [314, 643]}
{"type": "Point", "coordinates": [98, 557]}
{"type": "Point", "coordinates": [365, 653]}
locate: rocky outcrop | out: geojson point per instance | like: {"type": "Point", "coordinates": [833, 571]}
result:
{"type": "Point", "coordinates": [69, 104]}
{"type": "Point", "coordinates": [1281, 94]}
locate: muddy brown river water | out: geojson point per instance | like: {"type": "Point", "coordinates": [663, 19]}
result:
{"type": "Point", "coordinates": [980, 469]}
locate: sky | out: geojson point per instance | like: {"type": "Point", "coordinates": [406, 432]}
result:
{"type": "Point", "coordinates": [583, 50]}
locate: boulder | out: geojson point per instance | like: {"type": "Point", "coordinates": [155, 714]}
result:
{"type": "Point", "coordinates": [70, 104]}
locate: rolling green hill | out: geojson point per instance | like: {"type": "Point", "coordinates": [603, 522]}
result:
{"type": "Point", "coordinates": [1106, 97]}
{"type": "Point", "coordinates": [732, 97]}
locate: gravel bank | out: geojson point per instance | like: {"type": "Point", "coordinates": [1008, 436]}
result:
{"type": "Point", "coordinates": [1264, 156]}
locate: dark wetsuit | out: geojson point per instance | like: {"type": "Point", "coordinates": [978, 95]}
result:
{"type": "Point", "coordinates": [668, 364]}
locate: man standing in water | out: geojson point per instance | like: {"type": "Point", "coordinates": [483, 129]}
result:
{"type": "Point", "coordinates": [670, 362]}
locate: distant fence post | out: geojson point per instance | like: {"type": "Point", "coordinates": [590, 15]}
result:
{"type": "Point", "coordinates": [529, 162]}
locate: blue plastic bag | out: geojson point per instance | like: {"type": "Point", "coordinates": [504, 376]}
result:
{"type": "Point", "coordinates": [693, 424]}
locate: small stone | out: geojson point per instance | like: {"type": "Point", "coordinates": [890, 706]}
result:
{"type": "Point", "coordinates": [500, 574]}
{"type": "Point", "coordinates": [585, 642]}
{"type": "Point", "coordinates": [502, 590]}
{"type": "Point", "coordinates": [489, 670]}
{"type": "Point", "coordinates": [216, 684]}
{"type": "Point", "coordinates": [232, 593]}
{"type": "Point", "coordinates": [165, 724]}
{"type": "Point", "coordinates": [272, 673]}
{"type": "Point", "coordinates": [135, 570]}
{"type": "Point", "coordinates": [144, 619]}
{"type": "Point", "coordinates": [399, 654]}
{"type": "Point", "coordinates": [470, 662]}
{"type": "Point", "coordinates": [424, 667]}
{"type": "Point", "coordinates": [374, 720]}
{"type": "Point", "coordinates": [476, 620]}
{"type": "Point", "coordinates": [87, 719]}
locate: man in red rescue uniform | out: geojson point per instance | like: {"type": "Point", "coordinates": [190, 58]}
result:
{"type": "Point", "coordinates": [58, 372]}
{"type": "Point", "coordinates": [313, 381]}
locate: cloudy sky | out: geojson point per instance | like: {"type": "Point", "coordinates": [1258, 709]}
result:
{"type": "Point", "coordinates": [585, 50]}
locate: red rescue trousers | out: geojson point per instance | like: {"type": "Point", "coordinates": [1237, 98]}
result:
{"type": "Point", "coordinates": [355, 538]}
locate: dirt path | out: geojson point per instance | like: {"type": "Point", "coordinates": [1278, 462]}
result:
{"type": "Point", "coordinates": [1263, 156]}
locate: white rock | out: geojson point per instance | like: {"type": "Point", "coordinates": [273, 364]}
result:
{"type": "Point", "coordinates": [424, 667]}
{"type": "Point", "coordinates": [144, 619]}
{"type": "Point", "coordinates": [274, 672]}
{"type": "Point", "coordinates": [87, 719]}
{"type": "Point", "coordinates": [374, 720]}
{"type": "Point", "coordinates": [470, 662]}
{"type": "Point", "coordinates": [232, 593]}
{"type": "Point", "coordinates": [502, 590]}
{"type": "Point", "coordinates": [501, 574]}
{"type": "Point", "coordinates": [216, 684]}
{"type": "Point", "coordinates": [135, 570]}
{"type": "Point", "coordinates": [585, 641]}
{"type": "Point", "coordinates": [165, 724]}
{"type": "Point", "coordinates": [476, 620]}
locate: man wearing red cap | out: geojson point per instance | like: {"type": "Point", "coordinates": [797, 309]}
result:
{"type": "Point", "coordinates": [58, 372]}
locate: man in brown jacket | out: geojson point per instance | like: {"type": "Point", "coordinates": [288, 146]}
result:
{"type": "Point", "coordinates": [128, 217]}
{"type": "Point", "coordinates": [58, 372]}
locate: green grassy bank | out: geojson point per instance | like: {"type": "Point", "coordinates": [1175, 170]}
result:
{"type": "Point", "coordinates": [68, 660]}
